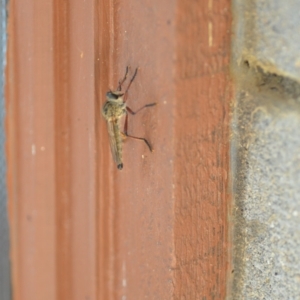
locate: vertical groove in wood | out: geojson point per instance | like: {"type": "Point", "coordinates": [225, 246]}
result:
{"type": "Point", "coordinates": [11, 148]}
{"type": "Point", "coordinates": [62, 147]}
{"type": "Point", "coordinates": [104, 43]}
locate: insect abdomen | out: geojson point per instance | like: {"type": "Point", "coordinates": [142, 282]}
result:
{"type": "Point", "coordinates": [118, 144]}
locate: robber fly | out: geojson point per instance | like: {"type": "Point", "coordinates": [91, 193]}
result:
{"type": "Point", "coordinates": [113, 110]}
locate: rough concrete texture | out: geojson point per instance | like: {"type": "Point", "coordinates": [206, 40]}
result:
{"type": "Point", "coordinates": [268, 34]}
{"type": "Point", "coordinates": [265, 151]}
{"type": "Point", "coordinates": [266, 177]}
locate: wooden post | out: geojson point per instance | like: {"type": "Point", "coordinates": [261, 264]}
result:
{"type": "Point", "coordinates": [80, 228]}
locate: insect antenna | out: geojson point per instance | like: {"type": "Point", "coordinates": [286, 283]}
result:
{"type": "Point", "coordinates": [123, 80]}
{"type": "Point", "coordinates": [131, 80]}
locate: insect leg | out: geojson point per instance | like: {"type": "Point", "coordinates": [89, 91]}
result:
{"type": "Point", "coordinates": [126, 125]}
{"type": "Point", "coordinates": [135, 112]}
{"type": "Point", "coordinates": [134, 137]}
{"type": "Point", "coordinates": [131, 80]}
{"type": "Point", "coordinates": [123, 80]}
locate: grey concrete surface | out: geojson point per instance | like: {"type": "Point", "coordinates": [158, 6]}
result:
{"type": "Point", "coordinates": [267, 33]}
{"type": "Point", "coordinates": [266, 151]}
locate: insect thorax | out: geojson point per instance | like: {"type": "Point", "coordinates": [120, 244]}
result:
{"type": "Point", "coordinates": [113, 109]}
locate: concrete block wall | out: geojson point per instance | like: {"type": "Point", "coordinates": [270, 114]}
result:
{"type": "Point", "coordinates": [265, 151]}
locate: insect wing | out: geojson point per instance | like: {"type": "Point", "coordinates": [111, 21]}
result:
{"type": "Point", "coordinates": [115, 140]}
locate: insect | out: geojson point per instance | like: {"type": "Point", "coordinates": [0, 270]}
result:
{"type": "Point", "coordinates": [113, 110]}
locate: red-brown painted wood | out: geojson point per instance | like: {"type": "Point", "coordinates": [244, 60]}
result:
{"type": "Point", "coordinates": [203, 94]}
{"type": "Point", "coordinates": [80, 228]}
{"type": "Point", "coordinates": [51, 149]}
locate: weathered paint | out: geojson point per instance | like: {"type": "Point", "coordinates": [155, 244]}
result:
{"type": "Point", "coordinates": [203, 94]}
{"type": "Point", "coordinates": [51, 149]}
{"type": "Point", "coordinates": [80, 228]}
